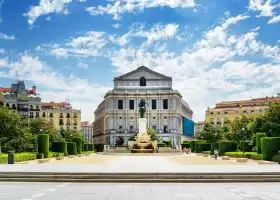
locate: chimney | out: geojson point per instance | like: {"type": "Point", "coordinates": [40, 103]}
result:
{"type": "Point", "coordinates": [34, 89]}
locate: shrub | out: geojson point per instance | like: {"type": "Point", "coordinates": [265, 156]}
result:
{"type": "Point", "coordinates": [185, 145]}
{"type": "Point", "coordinates": [39, 156]}
{"type": "Point", "coordinates": [59, 147]}
{"type": "Point", "coordinates": [43, 144]}
{"type": "Point", "coordinates": [206, 152]}
{"type": "Point", "coordinates": [167, 142]}
{"type": "Point", "coordinates": [20, 157]}
{"type": "Point", "coordinates": [214, 145]}
{"type": "Point", "coordinates": [71, 148]}
{"type": "Point", "coordinates": [161, 144]}
{"type": "Point", "coordinates": [226, 146]}
{"type": "Point", "coordinates": [275, 158]}
{"type": "Point", "coordinates": [186, 142]}
{"type": "Point", "coordinates": [270, 147]}
{"type": "Point", "coordinates": [258, 142]}
{"type": "Point", "coordinates": [192, 145]}
{"type": "Point", "coordinates": [247, 147]}
{"type": "Point", "coordinates": [149, 146]}
{"type": "Point", "coordinates": [78, 140]}
{"type": "Point", "coordinates": [85, 147]}
{"type": "Point", "coordinates": [56, 154]}
{"type": "Point", "coordinates": [256, 156]}
{"type": "Point", "coordinates": [90, 147]}
{"type": "Point", "coordinates": [199, 147]}
{"type": "Point", "coordinates": [234, 154]}
{"type": "Point", "coordinates": [99, 147]}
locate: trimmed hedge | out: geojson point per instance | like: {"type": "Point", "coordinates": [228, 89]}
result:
{"type": "Point", "coordinates": [275, 158]}
{"type": "Point", "coordinates": [43, 144]}
{"type": "Point", "coordinates": [161, 144]}
{"type": "Point", "coordinates": [247, 147]}
{"type": "Point", "coordinates": [71, 148]}
{"type": "Point", "coordinates": [59, 147]}
{"type": "Point", "coordinates": [85, 147]}
{"type": "Point", "coordinates": [226, 146]}
{"type": "Point", "coordinates": [249, 155]}
{"type": "Point", "coordinates": [214, 145]}
{"type": "Point", "coordinates": [79, 142]}
{"type": "Point", "coordinates": [167, 143]}
{"type": "Point", "coordinates": [99, 147]}
{"type": "Point", "coordinates": [206, 152]}
{"type": "Point", "coordinates": [39, 156]}
{"type": "Point", "coordinates": [192, 145]}
{"type": "Point", "coordinates": [199, 147]}
{"type": "Point", "coordinates": [270, 147]}
{"type": "Point", "coordinates": [90, 147]}
{"type": "Point", "coordinates": [258, 142]}
{"type": "Point", "coordinates": [19, 157]}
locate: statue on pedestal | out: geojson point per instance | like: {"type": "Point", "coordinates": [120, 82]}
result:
{"type": "Point", "coordinates": [142, 108]}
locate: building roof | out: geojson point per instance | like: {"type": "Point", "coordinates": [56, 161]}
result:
{"type": "Point", "coordinates": [233, 105]}
{"type": "Point", "coordinates": [142, 68]}
{"type": "Point", "coordinates": [52, 103]}
{"type": "Point", "coordinates": [2, 89]}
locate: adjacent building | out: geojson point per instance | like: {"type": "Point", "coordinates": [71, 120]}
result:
{"type": "Point", "coordinates": [87, 131]}
{"type": "Point", "coordinates": [198, 127]}
{"type": "Point", "coordinates": [230, 110]}
{"type": "Point", "coordinates": [62, 115]}
{"type": "Point", "coordinates": [25, 102]}
{"type": "Point", "coordinates": [167, 113]}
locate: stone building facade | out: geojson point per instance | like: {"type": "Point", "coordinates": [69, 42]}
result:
{"type": "Point", "coordinates": [117, 115]}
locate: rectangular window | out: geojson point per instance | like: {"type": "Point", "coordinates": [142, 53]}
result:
{"type": "Point", "coordinates": [51, 115]}
{"type": "Point", "coordinates": [165, 129]}
{"type": "Point", "coordinates": [154, 128]}
{"type": "Point", "coordinates": [165, 103]}
{"type": "Point", "coordinates": [212, 120]}
{"type": "Point", "coordinates": [120, 129]}
{"type": "Point", "coordinates": [154, 104]}
{"type": "Point", "coordinates": [131, 128]}
{"type": "Point", "coordinates": [120, 104]}
{"type": "Point", "coordinates": [218, 121]}
{"type": "Point", "coordinates": [37, 114]}
{"type": "Point", "coordinates": [131, 104]}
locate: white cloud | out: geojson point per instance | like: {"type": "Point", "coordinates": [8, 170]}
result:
{"type": "Point", "coordinates": [128, 6]}
{"type": "Point", "coordinates": [80, 91]}
{"type": "Point", "coordinates": [264, 6]}
{"type": "Point", "coordinates": [208, 72]}
{"type": "Point", "coordinates": [116, 25]}
{"type": "Point", "coordinates": [6, 37]}
{"type": "Point", "coordinates": [4, 62]}
{"type": "Point", "coordinates": [3, 51]}
{"type": "Point", "coordinates": [46, 7]}
{"type": "Point", "coordinates": [274, 20]}
{"type": "Point", "coordinates": [82, 65]}
{"type": "Point", "coordinates": [1, 3]}
{"type": "Point", "coordinates": [48, 18]}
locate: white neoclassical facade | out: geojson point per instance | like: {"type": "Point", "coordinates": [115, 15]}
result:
{"type": "Point", "coordinates": [116, 118]}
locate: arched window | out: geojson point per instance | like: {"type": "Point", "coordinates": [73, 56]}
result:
{"type": "Point", "coordinates": [31, 107]}
{"type": "Point", "coordinates": [13, 106]}
{"type": "Point", "coordinates": [37, 108]}
{"type": "Point", "coordinates": [7, 105]}
{"type": "Point", "coordinates": [142, 81]}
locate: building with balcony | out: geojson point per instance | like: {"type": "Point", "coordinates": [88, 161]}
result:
{"type": "Point", "coordinates": [167, 113]}
{"type": "Point", "coordinates": [230, 110]}
{"type": "Point", "coordinates": [27, 103]}
{"type": "Point", "coordinates": [87, 131]}
{"type": "Point", "coordinates": [62, 115]}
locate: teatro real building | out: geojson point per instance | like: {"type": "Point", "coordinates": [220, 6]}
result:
{"type": "Point", "coordinates": [167, 113]}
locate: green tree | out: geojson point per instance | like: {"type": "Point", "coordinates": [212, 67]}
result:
{"type": "Point", "coordinates": [211, 133]}
{"type": "Point", "coordinates": [13, 134]}
{"type": "Point", "coordinates": [269, 122]}
{"type": "Point", "coordinates": [40, 125]}
{"type": "Point", "coordinates": [69, 134]}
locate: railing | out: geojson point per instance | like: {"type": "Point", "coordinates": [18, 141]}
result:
{"type": "Point", "coordinates": [22, 109]}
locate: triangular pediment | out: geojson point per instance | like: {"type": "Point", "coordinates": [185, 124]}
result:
{"type": "Point", "coordinates": [143, 72]}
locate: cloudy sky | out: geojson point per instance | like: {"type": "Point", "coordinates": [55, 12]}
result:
{"type": "Point", "coordinates": [215, 50]}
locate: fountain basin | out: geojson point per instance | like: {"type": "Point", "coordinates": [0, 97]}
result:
{"type": "Point", "coordinates": [142, 151]}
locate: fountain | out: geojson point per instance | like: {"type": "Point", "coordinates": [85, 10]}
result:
{"type": "Point", "coordinates": [143, 141]}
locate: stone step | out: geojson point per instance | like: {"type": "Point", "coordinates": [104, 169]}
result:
{"type": "Point", "coordinates": [140, 180]}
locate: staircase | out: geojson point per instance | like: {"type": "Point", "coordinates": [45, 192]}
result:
{"type": "Point", "coordinates": [139, 177]}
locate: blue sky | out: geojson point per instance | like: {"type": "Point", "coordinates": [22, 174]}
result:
{"type": "Point", "coordinates": [71, 49]}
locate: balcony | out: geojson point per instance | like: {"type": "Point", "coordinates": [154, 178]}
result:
{"type": "Point", "coordinates": [22, 109]}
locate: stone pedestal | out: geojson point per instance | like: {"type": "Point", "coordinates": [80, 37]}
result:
{"type": "Point", "coordinates": [142, 125]}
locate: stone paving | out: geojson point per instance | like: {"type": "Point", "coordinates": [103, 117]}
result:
{"type": "Point", "coordinates": [92, 191]}
{"type": "Point", "coordinates": [101, 163]}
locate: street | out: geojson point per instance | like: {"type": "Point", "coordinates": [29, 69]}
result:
{"type": "Point", "coordinates": [92, 191]}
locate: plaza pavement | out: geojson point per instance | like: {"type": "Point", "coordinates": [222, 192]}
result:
{"type": "Point", "coordinates": [134, 164]}
{"type": "Point", "coordinates": [155, 191]}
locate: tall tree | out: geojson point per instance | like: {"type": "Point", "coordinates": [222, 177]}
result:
{"type": "Point", "coordinates": [211, 133]}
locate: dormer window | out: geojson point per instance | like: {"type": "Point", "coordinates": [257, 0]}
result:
{"type": "Point", "coordinates": [142, 81]}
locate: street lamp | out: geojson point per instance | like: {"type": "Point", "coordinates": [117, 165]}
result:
{"type": "Point", "coordinates": [41, 130]}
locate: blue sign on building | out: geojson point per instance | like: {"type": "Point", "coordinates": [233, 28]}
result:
{"type": "Point", "coordinates": [188, 127]}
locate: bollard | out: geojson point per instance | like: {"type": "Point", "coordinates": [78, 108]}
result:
{"type": "Point", "coordinates": [11, 157]}
{"type": "Point", "coordinates": [279, 157]}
